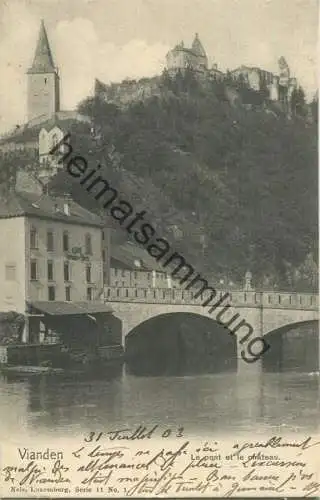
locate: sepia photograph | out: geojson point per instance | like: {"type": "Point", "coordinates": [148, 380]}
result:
{"type": "Point", "coordinates": [159, 304]}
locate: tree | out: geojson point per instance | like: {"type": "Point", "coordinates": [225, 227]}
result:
{"type": "Point", "coordinates": [306, 275]}
{"type": "Point", "coordinates": [100, 111]}
{"type": "Point", "coordinates": [264, 91]}
{"type": "Point", "coordinates": [241, 82]}
{"type": "Point", "coordinates": [298, 102]}
{"type": "Point", "coordinates": [11, 327]}
{"type": "Point", "coordinates": [166, 80]}
{"type": "Point", "coordinates": [13, 161]}
{"type": "Point", "coordinates": [315, 108]}
{"type": "Point", "coordinates": [191, 83]}
{"type": "Point", "coordinates": [249, 178]}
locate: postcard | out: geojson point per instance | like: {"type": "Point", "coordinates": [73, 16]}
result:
{"type": "Point", "coordinates": [159, 302]}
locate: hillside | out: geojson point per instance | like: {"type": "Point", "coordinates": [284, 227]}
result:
{"type": "Point", "coordinates": [221, 172]}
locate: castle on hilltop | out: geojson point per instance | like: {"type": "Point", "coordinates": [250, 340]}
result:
{"type": "Point", "coordinates": [195, 58]}
{"type": "Point", "coordinates": [278, 87]}
{"type": "Point", "coordinates": [47, 122]}
{"type": "Point", "coordinates": [275, 87]}
{"type": "Point", "coordinates": [181, 57]}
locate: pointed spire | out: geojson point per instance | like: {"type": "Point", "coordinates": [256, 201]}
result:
{"type": "Point", "coordinates": [197, 46]}
{"type": "Point", "coordinates": [43, 60]}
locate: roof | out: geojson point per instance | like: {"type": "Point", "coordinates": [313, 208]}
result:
{"type": "Point", "coordinates": [44, 206]}
{"type": "Point", "coordinates": [179, 48]}
{"type": "Point", "coordinates": [30, 131]}
{"type": "Point", "coordinates": [60, 308]}
{"type": "Point", "coordinates": [130, 254]}
{"type": "Point", "coordinates": [197, 47]}
{"type": "Point", "coordinates": [43, 60]}
{"type": "Point", "coordinates": [58, 118]}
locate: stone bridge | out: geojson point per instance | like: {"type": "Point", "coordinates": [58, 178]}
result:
{"type": "Point", "coordinates": [266, 312]}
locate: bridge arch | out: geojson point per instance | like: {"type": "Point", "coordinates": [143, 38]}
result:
{"type": "Point", "coordinates": [180, 342]}
{"type": "Point", "coordinates": [293, 347]}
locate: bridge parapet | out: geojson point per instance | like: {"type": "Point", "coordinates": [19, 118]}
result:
{"type": "Point", "coordinates": [237, 298]}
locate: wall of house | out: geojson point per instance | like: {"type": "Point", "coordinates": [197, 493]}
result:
{"type": "Point", "coordinates": [140, 279]}
{"type": "Point", "coordinates": [274, 89]}
{"type": "Point", "coordinates": [180, 58]}
{"type": "Point", "coordinates": [38, 289]}
{"type": "Point", "coordinates": [12, 264]}
{"type": "Point", "coordinates": [177, 59]}
{"type": "Point", "coordinates": [48, 139]}
{"type": "Point", "coordinates": [48, 164]}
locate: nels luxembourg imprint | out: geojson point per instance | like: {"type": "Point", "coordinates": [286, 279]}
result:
{"type": "Point", "coordinates": [158, 248]}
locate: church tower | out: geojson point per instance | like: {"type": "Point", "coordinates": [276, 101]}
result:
{"type": "Point", "coordinates": [43, 80]}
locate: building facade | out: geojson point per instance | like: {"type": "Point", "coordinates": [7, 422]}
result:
{"type": "Point", "coordinates": [50, 251]}
{"type": "Point", "coordinates": [43, 80]}
{"type": "Point", "coordinates": [279, 87]}
{"type": "Point", "coordinates": [181, 57]}
{"type": "Point", "coordinates": [127, 278]}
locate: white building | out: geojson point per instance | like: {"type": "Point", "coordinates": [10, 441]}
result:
{"type": "Point", "coordinates": [51, 259]}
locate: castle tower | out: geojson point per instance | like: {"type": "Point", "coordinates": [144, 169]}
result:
{"type": "Point", "coordinates": [43, 80]}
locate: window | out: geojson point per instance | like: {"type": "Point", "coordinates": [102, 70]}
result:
{"type": "Point", "coordinates": [33, 270]}
{"type": "Point", "coordinates": [33, 238]}
{"type": "Point", "coordinates": [88, 245]}
{"type": "Point", "coordinates": [89, 293]}
{"type": "Point", "coordinates": [10, 272]}
{"type": "Point", "coordinates": [68, 293]}
{"type": "Point", "coordinates": [50, 241]}
{"type": "Point", "coordinates": [65, 241]}
{"type": "Point", "coordinates": [51, 293]}
{"type": "Point", "coordinates": [66, 271]}
{"type": "Point", "coordinates": [50, 270]}
{"type": "Point", "coordinates": [103, 255]}
{"type": "Point", "coordinates": [88, 274]}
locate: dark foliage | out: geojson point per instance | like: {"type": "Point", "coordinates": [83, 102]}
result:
{"type": "Point", "coordinates": [249, 177]}
{"type": "Point", "coordinates": [240, 183]}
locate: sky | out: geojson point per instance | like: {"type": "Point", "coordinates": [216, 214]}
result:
{"type": "Point", "coordinates": [115, 39]}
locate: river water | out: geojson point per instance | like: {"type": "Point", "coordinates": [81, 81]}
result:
{"type": "Point", "coordinates": [222, 404]}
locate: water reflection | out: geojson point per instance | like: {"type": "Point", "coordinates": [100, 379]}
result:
{"type": "Point", "coordinates": [180, 344]}
{"type": "Point", "coordinates": [223, 403]}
